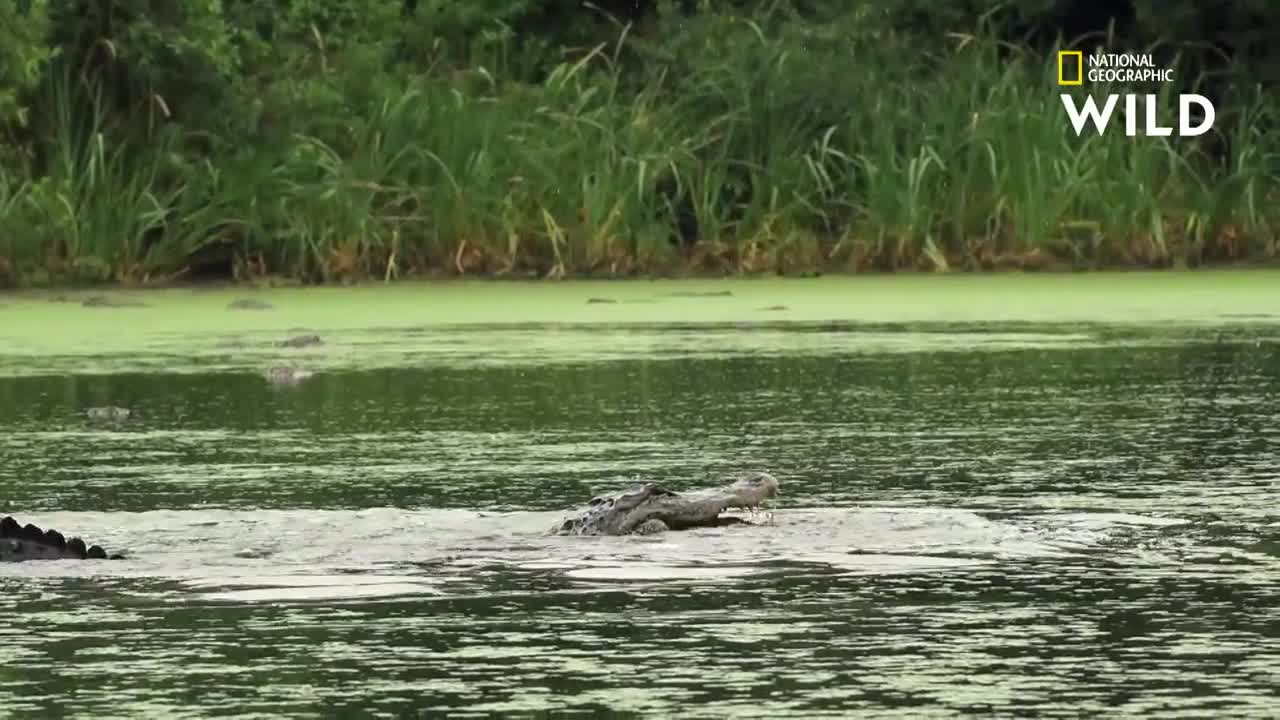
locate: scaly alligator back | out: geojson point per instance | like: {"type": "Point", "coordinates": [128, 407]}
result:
{"type": "Point", "coordinates": [18, 543]}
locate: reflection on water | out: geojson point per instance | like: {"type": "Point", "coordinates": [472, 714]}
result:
{"type": "Point", "coordinates": [1014, 521]}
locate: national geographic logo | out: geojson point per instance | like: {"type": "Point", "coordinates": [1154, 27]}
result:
{"type": "Point", "coordinates": [1074, 67]}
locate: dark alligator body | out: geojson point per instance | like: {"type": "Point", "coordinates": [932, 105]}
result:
{"type": "Point", "coordinates": [19, 542]}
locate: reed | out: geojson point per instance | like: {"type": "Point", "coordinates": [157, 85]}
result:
{"type": "Point", "coordinates": [730, 147]}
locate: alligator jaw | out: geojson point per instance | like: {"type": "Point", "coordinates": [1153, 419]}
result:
{"type": "Point", "coordinates": [18, 543]}
{"type": "Point", "coordinates": [652, 508]}
{"type": "Point", "coordinates": [704, 508]}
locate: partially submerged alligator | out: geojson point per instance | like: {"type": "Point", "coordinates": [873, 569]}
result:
{"type": "Point", "coordinates": [651, 508]}
{"type": "Point", "coordinates": [18, 542]}
{"type": "Point", "coordinates": [645, 509]}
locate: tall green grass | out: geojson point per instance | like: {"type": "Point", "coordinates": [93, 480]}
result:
{"type": "Point", "coordinates": [730, 147]}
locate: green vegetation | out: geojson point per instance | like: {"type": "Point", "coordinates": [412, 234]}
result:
{"type": "Point", "coordinates": [327, 140]}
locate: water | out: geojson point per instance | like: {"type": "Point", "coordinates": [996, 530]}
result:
{"type": "Point", "coordinates": [1012, 518]}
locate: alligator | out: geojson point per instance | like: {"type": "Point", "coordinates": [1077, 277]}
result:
{"type": "Point", "coordinates": [642, 510]}
{"type": "Point", "coordinates": [301, 341]}
{"type": "Point", "coordinates": [651, 508]}
{"type": "Point", "coordinates": [18, 542]}
{"type": "Point", "coordinates": [250, 304]}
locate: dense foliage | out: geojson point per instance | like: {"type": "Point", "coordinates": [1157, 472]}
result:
{"type": "Point", "coordinates": [329, 139]}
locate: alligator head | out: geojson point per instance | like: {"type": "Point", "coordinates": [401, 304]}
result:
{"type": "Point", "coordinates": [652, 508]}
{"type": "Point", "coordinates": [29, 542]}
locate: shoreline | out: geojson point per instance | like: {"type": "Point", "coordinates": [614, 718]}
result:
{"type": "Point", "coordinates": [278, 281]}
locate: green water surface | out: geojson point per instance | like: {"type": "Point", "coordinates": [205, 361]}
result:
{"type": "Point", "coordinates": [1006, 495]}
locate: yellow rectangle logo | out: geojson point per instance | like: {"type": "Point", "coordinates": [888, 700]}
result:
{"type": "Point", "coordinates": [1079, 56]}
